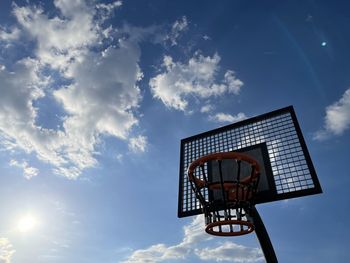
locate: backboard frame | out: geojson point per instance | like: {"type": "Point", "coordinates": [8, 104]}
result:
{"type": "Point", "coordinates": [287, 111]}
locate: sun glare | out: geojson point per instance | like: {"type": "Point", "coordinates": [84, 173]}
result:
{"type": "Point", "coordinates": [27, 223]}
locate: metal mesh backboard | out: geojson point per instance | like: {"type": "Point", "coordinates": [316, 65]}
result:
{"type": "Point", "coordinates": [274, 139]}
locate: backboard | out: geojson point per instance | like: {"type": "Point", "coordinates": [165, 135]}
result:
{"type": "Point", "coordinates": [273, 139]}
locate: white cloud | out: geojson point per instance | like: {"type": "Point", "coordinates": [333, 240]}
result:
{"type": "Point", "coordinates": [105, 11]}
{"type": "Point", "coordinates": [28, 171]}
{"type": "Point", "coordinates": [197, 78]}
{"type": "Point", "coordinates": [233, 84]}
{"type": "Point", "coordinates": [155, 253]}
{"type": "Point", "coordinates": [194, 236]}
{"type": "Point", "coordinates": [119, 157]}
{"type": "Point", "coordinates": [225, 117]}
{"type": "Point", "coordinates": [9, 35]}
{"type": "Point", "coordinates": [337, 119]}
{"type": "Point", "coordinates": [109, 7]}
{"type": "Point", "coordinates": [101, 96]}
{"type": "Point", "coordinates": [193, 233]}
{"type": "Point", "coordinates": [19, 89]}
{"type": "Point", "coordinates": [100, 101]}
{"type": "Point", "coordinates": [6, 250]}
{"type": "Point", "coordinates": [138, 144]}
{"type": "Point", "coordinates": [206, 37]}
{"type": "Point", "coordinates": [207, 108]}
{"type": "Point", "coordinates": [59, 40]}
{"type": "Point", "coordinates": [231, 252]}
{"type": "Point", "coordinates": [179, 26]}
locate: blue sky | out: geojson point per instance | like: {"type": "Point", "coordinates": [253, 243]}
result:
{"type": "Point", "coordinates": [95, 97]}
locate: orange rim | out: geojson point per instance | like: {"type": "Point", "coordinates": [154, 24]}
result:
{"type": "Point", "coordinates": [222, 156]}
{"type": "Point", "coordinates": [210, 228]}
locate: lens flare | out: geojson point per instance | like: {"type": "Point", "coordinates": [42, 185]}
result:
{"type": "Point", "coordinates": [27, 223]}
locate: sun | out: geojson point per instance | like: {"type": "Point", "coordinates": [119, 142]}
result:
{"type": "Point", "coordinates": [27, 223]}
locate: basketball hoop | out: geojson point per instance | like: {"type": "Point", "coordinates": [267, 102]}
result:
{"type": "Point", "coordinates": [226, 201]}
{"type": "Point", "coordinates": [253, 169]}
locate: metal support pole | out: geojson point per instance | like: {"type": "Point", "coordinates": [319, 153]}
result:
{"type": "Point", "coordinates": [263, 237]}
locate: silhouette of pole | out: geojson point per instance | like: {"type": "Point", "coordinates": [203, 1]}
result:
{"type": "Point", "coordinates": [263, 237]}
